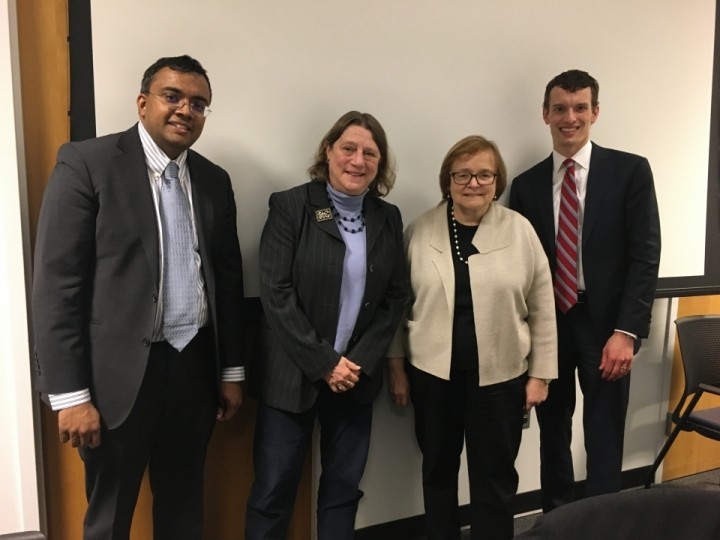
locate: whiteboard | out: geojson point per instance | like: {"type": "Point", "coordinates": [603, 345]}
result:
{"type": "Point", "coordinates": [283, 71]}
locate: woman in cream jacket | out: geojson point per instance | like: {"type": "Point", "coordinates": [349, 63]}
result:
{"type": "Point", "coordinates": [479, 340]}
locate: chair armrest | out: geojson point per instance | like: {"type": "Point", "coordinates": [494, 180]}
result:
{"type": "Point", "coordinates": [713, 389]}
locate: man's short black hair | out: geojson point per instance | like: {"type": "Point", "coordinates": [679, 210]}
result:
{"type": "Point", "coordinates": [572, 81]}
{"type": "Point", "coordinates": [184, 64]}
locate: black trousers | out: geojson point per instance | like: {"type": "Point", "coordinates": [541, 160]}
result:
{"type": "Point", "coordinates": [281, 442]}
{"type": "Point", "coordinates": [167, 431]}
{"type": "Point", "coordinates": [489, 420]}
{"type": "Point", "coordinates": [604, 411]}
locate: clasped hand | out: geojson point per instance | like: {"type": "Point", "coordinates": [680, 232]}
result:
{"type": "Point", "coordinates": [344, 376]}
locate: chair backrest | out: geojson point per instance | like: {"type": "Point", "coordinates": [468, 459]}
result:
{"type": "Point", "coordinates": [660, 513]}
{"type": "Point", "coordinates": [699, 338]}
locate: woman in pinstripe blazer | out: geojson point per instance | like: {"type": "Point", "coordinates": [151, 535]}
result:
{"type": "Point", "coordinates": [333, 285]}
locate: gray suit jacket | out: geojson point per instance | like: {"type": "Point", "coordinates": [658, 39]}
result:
{"type": "Point", "coordinates": [301, 264]}
{"type": "Point", "coordinates": [97, 274]}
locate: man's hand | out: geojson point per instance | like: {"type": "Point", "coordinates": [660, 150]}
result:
{"type": "Point", "coordinates": [80, 425]}
{"type": "Point", "coordinates": [230, 400]}
{"type": "Point", "coordinates": [617, 356]}
{"type": "Point", "coordinates": [343, 376]}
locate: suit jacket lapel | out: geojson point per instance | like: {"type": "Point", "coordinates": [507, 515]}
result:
{"type": "Point", "coordinates": [543, 187]}
{"type": "Point", "coordinates": [374, 220]}
{"type": "Point", "coordinates": [597, 189]}
{"type": "Point", "coordinates": [320, 208]}
{"type": "Point", "coordinates": [204, 213]}
{"type": "Point", "coordinates": [131, 171]}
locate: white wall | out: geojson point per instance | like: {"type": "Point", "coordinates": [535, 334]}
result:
{"type": "Point", "coordinates": [283, 71]}
{"type": "Point", "coordinates": [19, 509]}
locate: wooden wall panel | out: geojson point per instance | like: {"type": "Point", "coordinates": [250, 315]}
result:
{"type": "Point", "coordinates": [44, 71]}
{"type": "Point", "coordinates": [43, 52]}
{"type": "Point", "coordinates": [691, 453]}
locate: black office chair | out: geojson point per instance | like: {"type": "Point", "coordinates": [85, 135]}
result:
{"type": "Point", "coordinates": [660, 513]}
{"type": "Point", "coordinates": [699, 339]}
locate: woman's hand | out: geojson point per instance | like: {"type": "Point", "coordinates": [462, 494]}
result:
{"type": "Point", "coordinates": [344, 376]}
{"type": "Point", "coordinates": [536, 391]}
{"type": "Point", "coordinates": [398, 382]}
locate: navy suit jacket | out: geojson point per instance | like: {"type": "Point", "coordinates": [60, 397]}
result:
{"type": "Point", "coordinates": [620, 236]}
{"type": "Point", "coordinates": [97, 270]}
{"type": "Point", "coordinates": [301, 268]}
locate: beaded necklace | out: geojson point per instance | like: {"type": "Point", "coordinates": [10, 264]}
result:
{"type": "Point", "coordinates": [341, 220]}
{"type": "Point", "coordinates": [455, 236]}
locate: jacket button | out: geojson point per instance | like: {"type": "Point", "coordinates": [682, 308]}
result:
{"type": "Point", "coordinates": [146, 342]}
{"type": "Point", "coordinates": [372, 267]}
{"type": "Point", "coordinates": [155, 298]}
{"type": "Point", "coordinates": [367, 305]}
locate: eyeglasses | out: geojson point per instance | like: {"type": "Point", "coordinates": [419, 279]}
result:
{"type": "Point", "coordinates": [484, 178]}
{"type": "Point", "coordinates": [175, 101]}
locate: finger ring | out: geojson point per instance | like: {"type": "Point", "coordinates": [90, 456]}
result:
{"type": "Point", "coordinates": [341, 386]}
{"type": "Point", "coordinates": [623, 368]}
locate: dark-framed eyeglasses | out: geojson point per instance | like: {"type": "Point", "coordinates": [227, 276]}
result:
{"type": "Point", "coordinates": [175, 101]}
{"type": "Point", "coordinates": [484, 178]}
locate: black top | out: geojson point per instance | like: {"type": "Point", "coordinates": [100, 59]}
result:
{"type": "Point", "coordinates": [464, 341]}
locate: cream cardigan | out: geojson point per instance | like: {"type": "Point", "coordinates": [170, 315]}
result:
{"type": "Point", "coordinates": [512, 295]}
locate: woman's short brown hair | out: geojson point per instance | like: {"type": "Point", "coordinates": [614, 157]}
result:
{"type": "Point", "coordinates": [471, 145]}
{"type": "Point", "coordinates": [385, 178]}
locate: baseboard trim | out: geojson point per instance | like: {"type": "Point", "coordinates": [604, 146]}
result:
{"type": "Point", "coordinates": [414, 527]}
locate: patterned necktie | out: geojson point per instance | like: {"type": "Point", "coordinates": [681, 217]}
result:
{"type": "Point", "coordinates": [566, 243]}
{"type": "Point", "coordinates": [180, 273]}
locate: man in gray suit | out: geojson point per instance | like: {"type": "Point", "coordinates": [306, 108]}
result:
{"type": "Point", "coordinates": [136, 306]}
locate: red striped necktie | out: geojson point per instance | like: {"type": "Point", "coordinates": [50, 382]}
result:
{"type": "Point", "coordinates": [566, 242]}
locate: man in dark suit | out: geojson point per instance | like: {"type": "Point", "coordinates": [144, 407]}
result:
{"type": "Point", "coordinates": [136, 306]}
{"type": "Point", "coordinates": [602, 201]}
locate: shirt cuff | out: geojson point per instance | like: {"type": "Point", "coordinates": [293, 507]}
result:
{"type": "Point", "coordinates": [630, 334]}
{"type": "Point", "coordinates": [233, 374]}
{"type": "Point", "coordinates": [66, 400]}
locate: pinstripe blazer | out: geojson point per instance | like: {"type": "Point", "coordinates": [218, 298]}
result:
{"type": "Point", "coordinates": [301, 264]}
